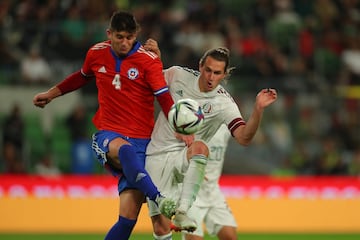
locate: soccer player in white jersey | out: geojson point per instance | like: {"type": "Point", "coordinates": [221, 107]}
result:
{"type": "Point", "coordinates": [210, 206]}
{"type": "Point", "coordinates": [177, 162]}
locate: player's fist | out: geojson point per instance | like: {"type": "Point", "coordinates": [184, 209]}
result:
{"type": "Point", "coordinates": [41, 99]}
{"type": "Point", "coordinates": [187, 139]}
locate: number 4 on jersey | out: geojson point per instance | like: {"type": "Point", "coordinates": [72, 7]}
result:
{"type": "Point", "coordinates": [116, 82]}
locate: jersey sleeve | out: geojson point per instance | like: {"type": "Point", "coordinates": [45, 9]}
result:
{"type": "Point", "coordinates": [154, 75]}
{"type": "Point", "coordinates": [158, 84]}
{"type": "Point", "coordinates": [86, 67]}
{"type": "Point", "coordinates": [169, 74]}
{"type": "Point", "coordinates": [233, 117]}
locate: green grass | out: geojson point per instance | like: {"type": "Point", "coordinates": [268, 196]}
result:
{"type": "Point", "coordinates": [176, 236]}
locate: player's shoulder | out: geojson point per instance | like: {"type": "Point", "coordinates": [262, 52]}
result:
{"type": "Point", "coordinates": [100, 46]}
{"type": "Point", "coordinates": [147, 54]}
{"type": "Point", "coordinates": [221, 91]}
{"type": "Point", "coordinates": [183, 71]}
{"type": "Point", "coordinates": [99, 49]}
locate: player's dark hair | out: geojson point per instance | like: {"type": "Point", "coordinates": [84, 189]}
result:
{"type": "Point", "coordinates": [123, 21]}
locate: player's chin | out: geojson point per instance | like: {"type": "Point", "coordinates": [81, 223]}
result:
{"type": "Point", "coordinates": [209, 88]}
{"type": "Point", "coordinates": [124, 51]}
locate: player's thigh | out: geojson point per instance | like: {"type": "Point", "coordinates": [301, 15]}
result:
{"type": "Point", "coordinates": [218, 217]}
{"type": "Point", "coordinates": [167, 170]}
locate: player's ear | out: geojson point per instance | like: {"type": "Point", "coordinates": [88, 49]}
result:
{"type": "Point", "coordinates": [108, 33]}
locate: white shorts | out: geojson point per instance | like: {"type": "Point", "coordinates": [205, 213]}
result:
{"type": "Point", "coordinates": [213, 218]}
{"type": "Point", "coordinates": [167, 172]}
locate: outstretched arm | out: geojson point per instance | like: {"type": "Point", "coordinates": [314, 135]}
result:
{"type": "Point", "coordinates": [244, 134]}
{"type": "Point", "coordinates": [41, 99]}
{"type": "Point", "coordinates": [69, 84]}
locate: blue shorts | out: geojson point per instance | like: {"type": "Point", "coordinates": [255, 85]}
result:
{"type": "Point", "coordinates": [100, 145]}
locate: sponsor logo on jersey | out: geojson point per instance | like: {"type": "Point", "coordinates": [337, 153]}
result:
{"type": "Point", "coordinates": [133, 73]}
{"type": "Point", "coordinates": [102, 69]}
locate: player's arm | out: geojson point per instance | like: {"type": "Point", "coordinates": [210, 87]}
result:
{"type": "Point", "coordinates": [163, 95]}
{"type": "Point", "coordinates": [166, 101]}
{"type": "Point", "coordinates": [152, 45]}
{"type": "Point", "coordinates": [69, 84]}
{"type": "Point", "coordinates": [245, 133]}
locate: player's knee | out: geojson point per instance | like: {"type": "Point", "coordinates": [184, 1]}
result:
{"type": "Point", "coordinates": [199, 148]}
{"type": "Point", "coordinates": [227, 233]}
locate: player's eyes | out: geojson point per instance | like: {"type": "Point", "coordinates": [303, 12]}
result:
{"type": "Point", "coordinates": [129, 37]}
{"type": "Point", "coordinates": [119, 37]}
{"type": "Point", "coordinates": [208, 70]}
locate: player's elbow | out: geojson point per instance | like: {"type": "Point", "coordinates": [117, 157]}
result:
{"type": "Point", "coordinates": [242, 137]}
{"type": "Point", "coordinates": [244, 142]}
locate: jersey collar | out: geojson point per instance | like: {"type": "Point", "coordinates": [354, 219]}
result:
{"type": "Point", "coordinates": [136, 46]}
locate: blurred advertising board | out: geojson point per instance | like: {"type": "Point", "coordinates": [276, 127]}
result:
{"type": "Point", "coordinates": [259, 203]}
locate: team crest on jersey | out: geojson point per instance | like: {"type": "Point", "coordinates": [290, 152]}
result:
{"type": "Point", "coordinates": [207, 108]}
{"type": "Point", "coordinates": [133, 73]}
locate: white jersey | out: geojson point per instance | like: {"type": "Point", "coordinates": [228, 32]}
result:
{"type": "Point", "coordinates": [218, 107]}
{"type": "Point", "coordinates": [210, 193]}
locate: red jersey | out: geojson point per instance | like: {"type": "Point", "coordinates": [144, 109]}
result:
{"type": "Point", "coordinates": [126, 88]}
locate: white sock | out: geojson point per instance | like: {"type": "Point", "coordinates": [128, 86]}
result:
{"type": "Point", "coordinates": [163, 237]}
{"type": "Point", "coordinates": [192, 181]}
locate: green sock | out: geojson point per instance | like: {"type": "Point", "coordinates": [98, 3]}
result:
{"type": "Point", "coordinates": [192, 181]}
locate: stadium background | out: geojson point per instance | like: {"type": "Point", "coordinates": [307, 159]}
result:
{"type": "Point", "coordinates": [307, 50]}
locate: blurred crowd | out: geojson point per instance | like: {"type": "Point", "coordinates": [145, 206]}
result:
{"type": "Point", "coordinates": [309, 50]}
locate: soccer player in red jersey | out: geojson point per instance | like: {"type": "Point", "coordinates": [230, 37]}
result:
{"type": "Point", "coordinates": [127, 78]}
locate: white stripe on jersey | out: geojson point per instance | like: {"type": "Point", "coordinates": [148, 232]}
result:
{"type": "Point", "coordinates": [160, 91]}
{"type": "Point", "coordinates": [100, 46]}
{"type": "Point", "coordinates": [149, 53]}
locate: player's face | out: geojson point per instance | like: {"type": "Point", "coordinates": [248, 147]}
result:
{"type": "Point", "coordinates": [121, 42]}
{"type": "Point", "coordinates": [211, 74]}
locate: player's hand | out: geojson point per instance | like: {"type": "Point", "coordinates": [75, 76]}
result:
{"type": "Point", "coordinates": [152, 45]}
{"type": "Point", "coordinates": [266, 97]}
{"type": "Point", "coordinates": [41, 99]}
{"type": "Point", "coordinates": [187, 139]}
